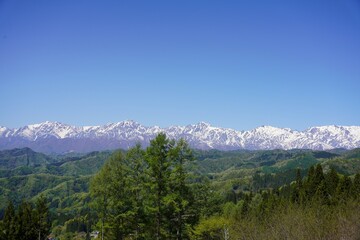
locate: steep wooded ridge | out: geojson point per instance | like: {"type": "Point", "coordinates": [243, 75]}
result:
{"type": "Point", "coordinates": [55, 137]}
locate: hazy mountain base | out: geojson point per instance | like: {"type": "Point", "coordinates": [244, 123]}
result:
{"type": "Point", "coordinates": [64, 179]}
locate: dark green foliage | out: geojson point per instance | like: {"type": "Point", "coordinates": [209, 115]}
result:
{"type": "Point", "coordinates": [27, 222]}
{"type": "Point", "coordinates": [310, 183]}
{"type": "Point", "coordinates": [8, 225]}
{"type": "Point", "coordinates": [159, 174]}
{"type": "Point", "coordinates": [356, 186]}
{"type": "Point", "coordinates": [297, 190]}
{"type": "Point", "coordinates": [25, 227]}
{"type": "Point", "coordinates": [208, 200]}
{"type": "Point", "coordinates": [139, 190]}
{"type": "Point", "coordinates": [274, 180]}
{"type": "Point", "coordinates": [42, 217]}
{"type": "Point", "coordinates": [323, 154]}
{"type": "Point", "coordinates": [353, 154]}
{"type": "Point", "coordinates": [181, 198]}
{"type": "Point", "coordinates": [344, 189]}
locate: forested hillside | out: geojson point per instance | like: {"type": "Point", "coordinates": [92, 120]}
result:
{"type": "Point", "coordinates": [168, 191]}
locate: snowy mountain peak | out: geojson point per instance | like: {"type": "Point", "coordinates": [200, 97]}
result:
{"type": "Point", "coordinates": [199, 126]}
{"type": "Point", "coordinates": [58, 137]}
{"type": "Point", "coordinates": [269, 130]}
{"type": "Point", "coordinates": [45, 130]}
{"type": "Point", "coordinates": [123, 124]}
{"type": "Point", "coordinates": [129, 123]}
{"type": "Point", "coordinates": [3, 130]}
{"type": "Point", "coordinates": [203, 124]}
{"type": "Point", "coordinates": [265, 128]}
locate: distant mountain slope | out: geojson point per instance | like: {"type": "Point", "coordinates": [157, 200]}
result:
{"type": "Point", "coordinates": [55, 137]}
{"type": "Point", "coordinates": [25, 161]}
{"type": "Point", "coordinates": [11, 159]}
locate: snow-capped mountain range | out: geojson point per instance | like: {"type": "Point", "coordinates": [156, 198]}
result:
{"type": "Point", "coordinates": [55, 137]}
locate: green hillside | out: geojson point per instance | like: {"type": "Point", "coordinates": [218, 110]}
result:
{"type": "Point", "coordinates": [11, 159]}
{"type": "Point", "coordinates": [64, 179]}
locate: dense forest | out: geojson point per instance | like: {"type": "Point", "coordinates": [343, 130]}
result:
{"type": "Point", "coordinates": [168, 191]}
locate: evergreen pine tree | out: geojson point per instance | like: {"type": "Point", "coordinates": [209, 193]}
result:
{"type": "Point", "coordinates": [159, 173]}
{"type": "Point", "coordinates": [318, 176]}
{"type": "Point", "coordinates": [322, 195]}
{"type": "Point", "coordinates": [121, 198]}
{"type": "Point", "coordinates": [309, 183]}
{"type": "Point", "coordinates": [356, 186]}
{"type": "Point", "coordinates": [25, 222]}
{"type": "Point", "coordinates": [181, 196]}
{"type": "Point", "coordinates": [315, 177]}
{"type": "Point", "coordinates": [246, 206]}
{"type": "Point", "coordinates": [332, 181]}
{"type": "Point", "coordinates": [42, 218]}
{"type": "Point", "coordinates": [137, 179]}
{"type": "Point", "coordinates": [9, 222]}
{"type": "Point", "coordinates": [297, 188]}
{"type": "Point", "coordinates": [344, 189]}
{"type": "Point", "coordinates": [101, 194]}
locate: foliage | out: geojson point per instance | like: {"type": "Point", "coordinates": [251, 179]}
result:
{"type": "Point", "coordinates": [27, 222]}
{"type": "Point", "coordinates": [146, 194]}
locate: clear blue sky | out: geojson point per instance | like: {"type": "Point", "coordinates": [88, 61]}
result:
{"type": "Point", "coordinates": [236, 64]}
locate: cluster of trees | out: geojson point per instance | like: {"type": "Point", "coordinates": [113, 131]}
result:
{"type": "Point", "coordinates": [271, 180]}
{"type": "Point", "coordinates": [318, 206]}
{"type": "Point", "coordinates": [146, 194]}
{"type": "Point", "coordinates": [26, 221]}
{"type": "Point", "coordinates": [328, 189]}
